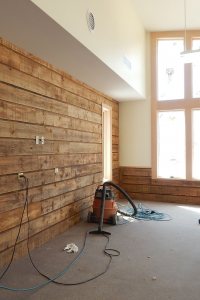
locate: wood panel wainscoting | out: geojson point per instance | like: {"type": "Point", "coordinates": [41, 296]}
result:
{"type": "Point", "coordinates": [140, 185]}
{"type": "Point", "coordinates": [36, 99]}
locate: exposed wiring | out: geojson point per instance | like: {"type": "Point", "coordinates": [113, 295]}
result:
{"type": "Point", "coordinates": [19, 230]}
{"type": "Point", "coordinates": [107, 251]}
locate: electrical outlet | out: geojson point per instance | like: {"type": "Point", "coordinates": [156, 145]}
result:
{"type": "Point", "coordinates": [20, 175]}
{"type": "Point", "coordinates": [56, 170]}
{"type": "Point", "coordinates": [39, 140]}
{"type": "Point", "coordinates": [42, 140]}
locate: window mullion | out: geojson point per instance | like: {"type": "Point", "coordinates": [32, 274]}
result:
{"type": "Point", "coordinates": [188, 139]}
{"type": "Point", "coordinates": [188, 82]}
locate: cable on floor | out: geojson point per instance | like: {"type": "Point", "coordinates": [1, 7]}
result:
{"type": "Point", "coordinates": [19, 230]}
{"type": "Point", "coordinates": [107, 251]}
{"type": "Point", "coordinates": [144, 213]}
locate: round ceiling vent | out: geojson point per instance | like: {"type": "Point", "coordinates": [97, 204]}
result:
{"type": "Point", "coordinates": [90, 21]}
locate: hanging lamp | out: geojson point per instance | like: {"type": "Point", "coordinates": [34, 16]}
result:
{"type": "Point", "coordinates": [188, 56]}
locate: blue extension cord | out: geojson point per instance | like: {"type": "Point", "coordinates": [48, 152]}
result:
{"type": "Point", "coordinates": [145, 214]}
{"type": "Point", "coordinates": [52, 279]}
{"type": "Point", "coordinates": [61, 273]}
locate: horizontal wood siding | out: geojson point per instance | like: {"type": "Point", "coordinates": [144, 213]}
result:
{"type": "Point", "coordinates": [139, 184]}
{"type": "Point", "coordinates": [38, 99]}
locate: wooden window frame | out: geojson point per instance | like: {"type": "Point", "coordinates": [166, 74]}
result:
{"type": "Point", "coordinates": [187, 103]}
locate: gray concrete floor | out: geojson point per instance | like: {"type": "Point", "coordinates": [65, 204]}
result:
{"type": "Point", "coordinates": [158, 261]}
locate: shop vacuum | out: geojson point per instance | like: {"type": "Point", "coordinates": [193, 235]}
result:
{"type": "Point", "coordinates": [105, 208]}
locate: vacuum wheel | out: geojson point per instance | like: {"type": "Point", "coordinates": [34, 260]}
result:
{"type": "Point", "coordinates": [90, 217]}
{"type": "Point", "coordinates": [114, 219]}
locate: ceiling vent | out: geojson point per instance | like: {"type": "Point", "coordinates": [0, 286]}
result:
{"type": "Point", "coordinates": [90, 21]}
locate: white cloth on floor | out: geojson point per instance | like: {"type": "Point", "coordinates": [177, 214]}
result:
{"type": "Point", "coordinates": [71, 248]}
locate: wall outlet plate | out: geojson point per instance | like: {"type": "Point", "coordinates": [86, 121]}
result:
{"type": "Point", "coordinates": [39, 140]}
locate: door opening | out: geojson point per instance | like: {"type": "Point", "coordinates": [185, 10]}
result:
{"type": "Point", "coordinates": [107, 142]}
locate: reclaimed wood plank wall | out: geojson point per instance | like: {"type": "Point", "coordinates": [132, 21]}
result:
{"type": "Point", "coordinates": [140, 185]}
{"type": "Point", "coordinates": [37, 99]}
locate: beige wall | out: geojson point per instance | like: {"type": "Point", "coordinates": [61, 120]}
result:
{"type": "Point", "coordinates": [135, 126]}
{"type": "Point", "coordinates": [119, 33]}
{"type": "Point", "coordinates": [135, 133]}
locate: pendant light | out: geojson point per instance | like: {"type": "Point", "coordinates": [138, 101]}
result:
{"type": "Point", "coordinates": [188, 56]}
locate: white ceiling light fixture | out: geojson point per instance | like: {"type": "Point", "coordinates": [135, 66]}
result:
{"type": "Point", "coordinates": [189, 56]}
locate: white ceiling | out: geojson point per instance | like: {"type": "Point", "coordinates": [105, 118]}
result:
{"type": "Point", "coordinates": [159, 15]}
{"type": "Point", "coordinates": [28, 27]}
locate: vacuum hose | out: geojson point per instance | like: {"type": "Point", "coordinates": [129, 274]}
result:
{"type": "Point", "coordinates": [100, 226]}
{"type": "Point", "coordinates": [126, 196]}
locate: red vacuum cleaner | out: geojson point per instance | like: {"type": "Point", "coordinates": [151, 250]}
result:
{"type": "Point", "coordinates": [105, 208]}
{"type": "Point", "coordinates": [110, 208]}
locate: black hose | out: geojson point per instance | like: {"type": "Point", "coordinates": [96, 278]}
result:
{"type": "Point", "coordinates": [107, 183]}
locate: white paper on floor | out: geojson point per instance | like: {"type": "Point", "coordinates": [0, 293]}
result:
{"type": "Point", "coordinates": [71, 248]}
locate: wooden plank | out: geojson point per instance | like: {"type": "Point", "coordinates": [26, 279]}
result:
{"type": "Point", "coordinates": [37, 99]}
{"type": "Point", "coordinates": [115, 148]}
{"type": "Point", "coordinates": [115, 157]}
{"type": "Point", "coordinates": [83, 114]}
{"type": "Point", "coordinates": [115, 116]}
{"type": "Point", "coordinates": [177, 191]}
{"type": "Point", "coordinates": [25, 97]}
{"type": "Point", "coordinates": [115, 140]}
{"type": "Point", "coordinates": [115, 164]}
{"type": "Point", "coordinates": [9, 111]}
{"type": "Point", "coordinates": [25, 65]}
{"type": "Point", "coordinates": [174, 182]}
{"type": "Point", "coordinates": [57, 216]}
{"type": "Point", "coordinates": [40, 218]}
{"type": "Point", "coordinates": [27, 82]}
{"type": "Point", "coordinates": [166, 198]}
{"type": "Point", "coordinates": [115, 131]}
{"type": "Point", "coordinates": [28, 147]}
{"type": "Point", "coordinates": [45, 207]}
{"type": "Point", "coordinates": [144, 172]}
{"type": "Point", "coordinates": [46, 176]}
{"type": "Point", "coordinates": [26, 131]}
{"type": "Point", "coordinates": [53, 112]}
{"type": "Point", "coordinates": [10, 165]}
{"type": "Point", "coordinates": [164, 190]}
{"type": "Point", "coordinates": [136, 180]}
{"type": "Point", "coordinates": [15, 200]}
{"type": "Point", "coordinates": [37, 67]}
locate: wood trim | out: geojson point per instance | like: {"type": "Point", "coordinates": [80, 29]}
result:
{"type": "Point", "coordinates": [139, 183]}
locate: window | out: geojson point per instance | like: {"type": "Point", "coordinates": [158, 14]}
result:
{"type": "Point", "coordinates": [171, 144]}
{"type": "Point", "coordinates": [196, 143]}
{"type": "Point", "coordinates": [107, 142]}
{"type": "Point", "coordinates": [175, 107]}
{"type": "Point", "coordinates": [196, 71]}
{"type": "Point", "coordinates": [170, 69]}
